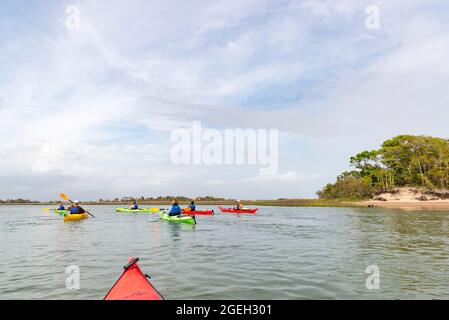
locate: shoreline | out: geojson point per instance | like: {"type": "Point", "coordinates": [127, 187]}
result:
{"type": "Point", "coordinates": [404, 204]}
{"type": "Point", "coordinates": [265, 203]}
{"type": "Point", "coordinates": [410, 205]}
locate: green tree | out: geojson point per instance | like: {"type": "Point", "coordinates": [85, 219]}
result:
{"type": "Point", "coordinates": [405, 160]}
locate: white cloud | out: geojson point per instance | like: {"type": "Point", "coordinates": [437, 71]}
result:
{"type": "Point", "coordinates": [101, 101]}
{"type": "Point", "coordinates": [284, 177]}
{"type": "Point", "coordinates": [214, 182]}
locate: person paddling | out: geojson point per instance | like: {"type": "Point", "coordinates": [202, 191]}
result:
{"type": "Point", "coordinates": [75, 208]}
{"type": "Point", "coordinates": [192, 206]}
{"type": "Point", "coordinates": [134, 206]}
{"type": "Point", "coordinates": [239, 205]}
{"type": "Point", "coordinates": [175, 209]}
{"type": "Point", "coordinates": [61, 207]}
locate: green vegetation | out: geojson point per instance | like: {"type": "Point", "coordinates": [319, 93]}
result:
{"type": "Point", "coordinates": [207, 201]}
{"type": "Point", "coordinates": [347, 186]}
{"type": "Point", "coordinates": [126, 200]}
{"type": "Point", "coordinates": [403, 161]}
{"type": "Point", "coordinates": [18, 201]}
{"type": "Point", "coordinates": [161, 199]}
{"type": "Point", "coordinates": [305, 203]}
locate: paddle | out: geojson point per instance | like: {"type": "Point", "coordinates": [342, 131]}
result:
{"type": "Point", "coordinates": [65, 197]}
{"type": "Point", "coordinates": [47, 209]}
{"type": "Point", "coordinates": [164, 210]}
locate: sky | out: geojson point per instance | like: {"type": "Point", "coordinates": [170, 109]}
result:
{"type": "Point", "coordinates": [88, 105]}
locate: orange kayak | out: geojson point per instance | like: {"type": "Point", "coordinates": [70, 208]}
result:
{"type": "Point", "coordinates": [133, 285]}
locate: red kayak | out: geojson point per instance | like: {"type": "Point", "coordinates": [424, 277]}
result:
{"type": "Point", "coordinates": [133, 285]}
{"type": "Point", "coordinates": [231, 210]}
{"type": "Point", "coordinates": [204, 212]}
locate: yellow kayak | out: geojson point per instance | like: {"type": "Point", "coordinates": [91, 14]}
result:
{"type": "Point", "coordinates": [75, 217]}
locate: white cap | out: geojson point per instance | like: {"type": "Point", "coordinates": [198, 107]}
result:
{"type": "Point", "coordinates": [76, 201]}
{"type": "Point", "coordinates": [238, 200]}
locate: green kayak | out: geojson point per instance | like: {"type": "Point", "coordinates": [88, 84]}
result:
{"type": "Point", "coordinates": [184, 218]}
{"type": "Point", "coordinates": [60, 211]}
{"type": "Point", "coordinates": [136, 210]}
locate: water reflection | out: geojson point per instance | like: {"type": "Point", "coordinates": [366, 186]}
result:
{"type": "Point", "coordinates": [311, 253]}
{"type": "Point", "coordinates": [154, 230]}
{"type": "Point", "coordinates": [400, 230]}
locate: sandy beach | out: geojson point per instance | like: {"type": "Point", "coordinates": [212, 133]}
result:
{"type": "Point", "coordinates": [410, 205]}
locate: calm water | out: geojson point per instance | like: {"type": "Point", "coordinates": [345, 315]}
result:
{"type": "Point", "coordinates": [280, 253]}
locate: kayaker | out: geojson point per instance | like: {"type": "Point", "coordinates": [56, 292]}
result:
{"type": "Point", "coordinates": [61, 207]}
{"type": "Point", "coordinates": [175, 209]}
{"type": "Point", "coordinates": [239, 205]}
{"type": "Point", "coordinates": [75, 208]}
{"type": "Point", "coordinates": [192, 206]}
{"type": "Point", "coordinates": [134, 206]}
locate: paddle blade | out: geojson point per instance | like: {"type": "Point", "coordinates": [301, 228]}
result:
{"type": "Point", "coordinates": [64, 196]}
{"type": "Point", "coordinates": [46, 209]}
{"type": "Point", "coordinates": [155, 209]}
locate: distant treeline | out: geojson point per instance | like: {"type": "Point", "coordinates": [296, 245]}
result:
{"type": "Point", "coordinates": [22, 201]}
{"type": "Point", "coordinates": [403, 161]}
{"type": "Point", "coordinates": [160, 199]}
{"type": "Point", "coordinates": [164, 199]}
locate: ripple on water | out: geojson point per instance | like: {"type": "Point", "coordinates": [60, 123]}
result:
{"type": "Point", "coordinates": [280, 253]}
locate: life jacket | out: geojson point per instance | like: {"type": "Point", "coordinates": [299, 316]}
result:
{"type": "Point", "coordinates": [74, 210]}
{"type": "Point", "coordinates": [175, 209]}
{"type": "Point", "coordinates": [61, 208]}
{"type": "Point", "coordinates": [135, 206]}
{"type": "Point", "coordinates": [192, 207]}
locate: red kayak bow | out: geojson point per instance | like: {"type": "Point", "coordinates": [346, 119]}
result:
{"type": "Point", "coordinates": [204, 212]}
{"type": "Point", "coordinates": [231, 210]}
{"type": "Point", "coordinates": [133, 285]}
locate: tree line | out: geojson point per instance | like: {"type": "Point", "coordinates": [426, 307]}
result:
{"type": "Point", "coordinates": [403, 161]}
{"type": "Point", "coordinates": [20, 200]}
{"type": "Point", "coordinates": [163, 199]}
{"type": "Point", "coordinates": [121, 200]}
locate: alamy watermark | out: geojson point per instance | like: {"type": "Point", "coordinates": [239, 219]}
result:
{"type": "Point", "coordinates": [199, 146]}
{"type": "Point", "coordinates": [373, 280]}
{"type": "Point", "coordinates": [72, 282]}
{"type": "Point", "coordinates": [72, 21]}
{"type": "Point", "coordinates": [372, 21]}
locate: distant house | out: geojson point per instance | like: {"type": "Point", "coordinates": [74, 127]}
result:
{"type": "Point", "coordinates": [127, 199]}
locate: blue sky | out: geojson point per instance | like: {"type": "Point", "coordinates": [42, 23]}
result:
{"type": "Point", "coordinates": [90, 111]}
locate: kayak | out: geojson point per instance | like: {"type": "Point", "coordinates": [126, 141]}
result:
{"type": "Point", "coordinates": [75, 217]}
{"type": "Point", "coordinates": [60, 211]}
{"type": "Point", "coordinates": [231, 210]}
{"type": "Point", "coordinates": [205, 212]}
{"type": "Point", "coordinates": [179, 219]}
{"type": "Point", "coordinates": [133, 285]}
{"type": "Point", "coordinates": [135, 210]}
